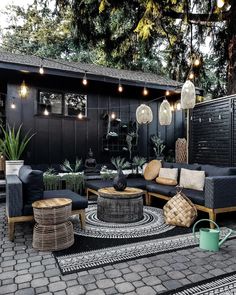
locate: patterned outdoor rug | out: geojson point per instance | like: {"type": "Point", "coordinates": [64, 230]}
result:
{"type": "Point", "coordinates": [224, 284]}
{"type": "Point", "coordinates": [103, 243]}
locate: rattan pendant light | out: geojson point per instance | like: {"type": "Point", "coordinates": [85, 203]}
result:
{"type": "Point", "coordinates": [188, 95]}
{"type": "Point", "coordinates": [144, 114]}
{"type": "Point", "coordinates": [165, 114]}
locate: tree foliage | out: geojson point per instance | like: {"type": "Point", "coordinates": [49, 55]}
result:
{"type": "Point", "coordinates": [149, 35]}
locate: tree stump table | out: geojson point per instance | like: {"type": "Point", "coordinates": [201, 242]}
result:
{"type": "Point", "coordinates": [120, 207]}
{"type": "Point", "coordinates": [52, 230]}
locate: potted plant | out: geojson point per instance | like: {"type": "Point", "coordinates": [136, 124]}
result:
{"type": "Point", "coordinates": [120, 182]}
{"type": "Point", "coordinates": [158, 146]}
{"type": "Point", "coordinates": [12, 147]}
{"type": "Point", "coordinates": [138, 162]}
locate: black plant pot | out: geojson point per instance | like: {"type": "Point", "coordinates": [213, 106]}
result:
{"type": "Point", "coordinates": [120, 182]}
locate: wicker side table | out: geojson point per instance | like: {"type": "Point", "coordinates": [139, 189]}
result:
{"type": "Point", "coordinates": [52, 230]}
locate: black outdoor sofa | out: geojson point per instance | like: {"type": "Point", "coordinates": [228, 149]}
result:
{"type": "Point", "coordinates": [22, 191]}
{"type": "Point", "coordinates": [218, 196]}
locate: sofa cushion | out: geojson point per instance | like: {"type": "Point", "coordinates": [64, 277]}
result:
{"type": "Point", "coordinates": [186, 166]}
{"type": "Point", "coordinates": [131, 182]}
{"type": "Point", "coordinates": [166, 181]}
{"type": "Point", "coordinates": [32, 184]}
{"type": "Point", "coordinates": [160, 189]}
{"type": "Point", "coordinates": [197, 197]}
{"type": "Point", "coordinates": [152, 170]}
{"type": "Point", "coordinates": [171, 173]}
{"type": "Point", "coordinates": [78, 202]}
{"type": "Point", "coordinates": [212, 170]}
{"type": "Point", "coordinates": [192, 179]}
{"type": "Point", "coordinates": [167, 165]}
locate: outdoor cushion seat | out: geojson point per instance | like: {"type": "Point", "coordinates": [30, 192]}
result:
{"type": "Point", "coordinates": [131, 182]}
{"type": "Point", "coordinates": [78, 202]}
{"type": "Point", "coordinates": [160, 188]}
{"type": "Point", "coordinates": [197, 197]}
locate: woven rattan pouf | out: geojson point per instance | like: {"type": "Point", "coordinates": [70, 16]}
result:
{"type": "Point", "coordinates": [52, 230]}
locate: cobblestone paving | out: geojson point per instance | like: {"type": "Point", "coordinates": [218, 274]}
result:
{"type": "Point", "coordinates": [25, 271]}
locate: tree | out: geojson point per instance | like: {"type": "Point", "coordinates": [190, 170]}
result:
{"type": "Point", "coordinates": [178, 22]}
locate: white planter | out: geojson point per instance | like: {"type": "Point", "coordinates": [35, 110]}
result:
{"type": "Point", "coordinates": [13, 167]}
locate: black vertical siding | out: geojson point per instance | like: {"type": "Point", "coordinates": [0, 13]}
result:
{"type": "Point", "coordinates": [212, 138]}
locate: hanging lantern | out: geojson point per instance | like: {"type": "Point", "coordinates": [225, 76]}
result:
{"type": "Point", "coordinates": [144, 114]}
{"type": "Point", "coordinates": [24, 90]}
{"type": "Point", "coordinates": [188, 95]}
{"type": "Point", "coordinates": [165, 114]}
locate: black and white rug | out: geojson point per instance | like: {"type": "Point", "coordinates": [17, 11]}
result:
{"type": "Point", "coordinates": [152, 224]}
{"type": "Point", "coordinates": [224, 284]}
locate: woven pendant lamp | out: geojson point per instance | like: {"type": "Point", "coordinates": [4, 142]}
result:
{"type": "Point", "coordinates": [188, 95]}
{"type": "Point", "coordinates": [144, 114]}
{"type": "Point", "coordinates": [165, 114]}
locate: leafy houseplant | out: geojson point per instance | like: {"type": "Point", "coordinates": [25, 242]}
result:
{"type": "Point", "coordinates": [138, 162]}
{"type": "Point", "coordinates": [158, 145]}
{"type": "Point", "coordinates": [120, 182]}
{"type": "Point", "coordinates": [51, 180]}
{"type": "Point", "coordinates": [69, 168]}
{"type": "Point", "coordinates": [12, 147]}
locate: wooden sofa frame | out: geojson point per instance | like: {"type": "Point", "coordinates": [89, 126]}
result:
{"type": "Point", "coordinates": [211, 211]}
{"type": "Point", "coordinates": [17, 219]}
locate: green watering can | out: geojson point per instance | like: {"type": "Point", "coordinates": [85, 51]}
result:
{"type": "Point", "coordinates": [210, 238]}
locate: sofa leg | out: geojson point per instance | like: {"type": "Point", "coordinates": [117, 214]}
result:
{"type": "Point", "coordinates": [82, 219]}
{"type": "Point", "coordinates": [212, 216]}
{"type": "Point", "coordinates": [11, 229]}
{"type": "Point", "coordinates": [87, 193]}
{"type": "Point", "coordinates": [147, 199]}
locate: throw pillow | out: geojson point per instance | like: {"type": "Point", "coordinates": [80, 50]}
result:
{"type": "Point", "coordinates": [192, 179]}
{"type": "Point", "coordinates": [32, 184]}
{"type": "Point", "coordinates": [152, 170]}
{"type": "Point", "coordinates": [171, 173]}
{"type": "Point", "coordinates": [166, 181]}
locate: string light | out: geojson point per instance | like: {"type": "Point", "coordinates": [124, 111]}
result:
{"type": "Point", "coordinates": [46, 112]}
{"type": "Point", "coordinates": [197, 62]}
{"type": "Point", "coordinates": [167, 92]}
{"type": "Point", "coordinates": [178, 106]}
{"type": "Point", "coordinates": [13, 105]}
{"type": "Point", "coordinates": [191, 76]}
{"type": "Point", "coordinates": [41, 70]}
{"type": "Point", "coordinates": [23, 90]}
{"type": "Point", "coordinates": [220, 3]}
{"type": "Point", "coordinates": [145, 91]}
{"type": "Point", "coordinates": [120, 87]}
{"type": "Point", "coordinates": [113, 115]}
{"type": "Point", "coordinates": [80, 116]}
{"type": "Point", "coordinates": [85, 81]}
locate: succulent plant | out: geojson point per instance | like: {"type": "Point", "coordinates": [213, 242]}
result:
{"type": "Point", "coordinates": [138, 162]}
{"type": "Point", "coordinates": [120, 163]}
{"type": "Point", "coordinates": [67, 167]}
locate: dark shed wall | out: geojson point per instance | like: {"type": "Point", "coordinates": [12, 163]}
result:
{"type": "Point", "coordinates": [213, 132]}
{"type": "Point", "coordinates": [57, 138]}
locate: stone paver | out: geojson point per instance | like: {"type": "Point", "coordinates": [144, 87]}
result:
{"type": "Point", "coordinates": [25, 271]}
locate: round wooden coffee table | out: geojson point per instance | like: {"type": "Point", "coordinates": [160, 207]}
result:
{"type": "Point", "coordinates": [52, 230]}
{"type": "Point", "coordinates": [120, 207]}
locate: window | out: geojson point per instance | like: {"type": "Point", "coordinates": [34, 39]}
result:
{"type": "Point", "coordinates": [67, 104]}
{"type": "Point", "coordinates": [75, 104]}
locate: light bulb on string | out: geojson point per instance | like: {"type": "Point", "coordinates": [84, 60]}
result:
{"type": "Point", "coordinates": [46, 112]}
{"type": "Point", "coordinates": [80, 116]}
{"type": "Point", "coordinates": [120, 87]}
{"type": "Point", "coordinates": [85, 81]}
{"type": "Point", "coordinates": [23, 90]}
{"type": "Point", "coordinates": [191, 76]}
{"type": "Point", "coordinates": [220, 3]}
{"type": "Point", "coordinates": [13, 105]}
{"type": "Point", "coordinates": [167, 92]}
{"type": "Point", "coordinates": [145, 91]}
{"type": "Point", "coordinates": [197, 62]}
{"type": "Point", "coordinates": [178, 106]}
{"type": "Point", "coordinates": [113, 115]}
{"type": "Point", "coordinates": [41, 70]}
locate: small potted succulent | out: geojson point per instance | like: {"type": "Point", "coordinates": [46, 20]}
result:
{"type": "Point", "coordinates": [137, 163]}
{"type": "Point", "coordinates": [12, 147]}
{"type": "Point", "coordinates": [120, 182]}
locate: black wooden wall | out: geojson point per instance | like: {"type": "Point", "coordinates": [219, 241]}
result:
{"type": "Point", "coordinates": [57, 138]}
{"type": "Point", "coordinates": [213, 132]}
